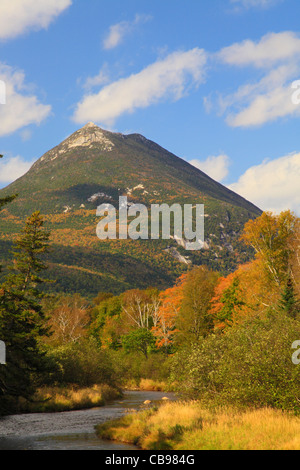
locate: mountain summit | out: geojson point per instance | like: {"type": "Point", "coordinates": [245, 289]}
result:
{"type": "Point", "coordinates": [93, 156]}
{"type": "Point", "coordinates": [93, 166]}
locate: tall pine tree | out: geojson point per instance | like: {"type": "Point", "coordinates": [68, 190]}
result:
{"type": "Point", "coordinates": [22, 321]}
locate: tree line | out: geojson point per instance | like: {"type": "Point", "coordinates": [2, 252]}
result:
{"type": "Point", "coordinates": [209, 334]}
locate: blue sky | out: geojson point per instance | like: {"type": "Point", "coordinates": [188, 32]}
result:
{"type": "Point", "coordinates": [211, 81]}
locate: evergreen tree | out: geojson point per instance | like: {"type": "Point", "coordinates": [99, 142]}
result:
{"type": "Point", "coordinates": [22, 321]}
{"type": "Point", "coordinates": [289, 303]}
{"type": "Point", "coordinates": [231, 300]}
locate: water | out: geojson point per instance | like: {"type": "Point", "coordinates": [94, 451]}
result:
{"type": "Point", "coordinates": [71, 430]}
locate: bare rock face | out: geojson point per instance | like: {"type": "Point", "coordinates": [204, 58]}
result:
{"type": "Point", "coordinates": [89, 134]}
{"type": "Point", "coordinates": [85, 137]}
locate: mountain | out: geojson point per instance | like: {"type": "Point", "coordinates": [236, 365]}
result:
{"type": "Point", "coordinates": [95, 166]}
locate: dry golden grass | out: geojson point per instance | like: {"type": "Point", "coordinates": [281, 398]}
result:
{"type": "Point", "coordinates": [147, 385]}
{"type": "Point", "coordinates": [189, 426]}
{"type": "Point", "coordinates": [49, 399]}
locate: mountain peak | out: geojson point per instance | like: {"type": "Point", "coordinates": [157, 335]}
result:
{"type": "Point", "coordinates": [90, 124]}
{"type": "Point", "coordinates": [92, 167]}
{"type": "Point", "coordinates": [88, 135]}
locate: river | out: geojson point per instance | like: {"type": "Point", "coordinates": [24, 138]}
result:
{"type": "Point", "coordinates": [70, 430]}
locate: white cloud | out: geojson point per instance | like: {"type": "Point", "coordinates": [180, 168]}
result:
{"type": "Point", "coordinates": [271, 49]}
{"type": "Point", "coordinates": [266, 108]}
{"type": "Point", "coordinates": [255, 3]}
{"type": "Point", "coordinates": [22, 107]}
{"type": "Point", "coordinates": [117, 32]}
{"type": "Point", "coordinates": [270, 98]}
{"type": "Point", "coordinates": [13, 168]}
{"type": "Point", "coordinates": [20, 16]}
{"type": "Point", "coordinates": [215, 167]}
{"type": "Point", "coordinates": [264, 101]}
{"type": "Point", "coordinates": [168, 78]}
{"type": "Point", "coordinates": [272, 185]}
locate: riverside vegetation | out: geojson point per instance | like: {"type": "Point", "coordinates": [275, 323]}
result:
{"type": "Point", "coordinates": [192, 426]}
{"type": "Point", "coordinates": [222, 342]}
{"type": "Point", "coordinates": [231, 344]}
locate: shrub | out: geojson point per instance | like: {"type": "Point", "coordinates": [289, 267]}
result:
{"type": "Point", "coordinates": [134, 367]}
{"type": "Point", "coordinates": [249, 365]}
{"type": "Point", "coordinates": [83, 364]}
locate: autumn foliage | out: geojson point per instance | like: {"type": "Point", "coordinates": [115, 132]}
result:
{"type": "Point", "coordinates": [171, 300]}
{"type": "Point", "coordinates": [255, 288]}
{"type": "Point", "coordinates": [202, 301]}
{"type": "Point", "coordinates": [148, 324]}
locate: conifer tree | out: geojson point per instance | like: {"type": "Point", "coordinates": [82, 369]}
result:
{"type": "Point", "coordinates": [22, 321]}
{"type": "Point", "coordinates": [289, 303]}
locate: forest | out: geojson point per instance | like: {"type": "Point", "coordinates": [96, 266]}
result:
{"type": "Point", "coordinates": [220, 340]}
{"type": "Point", "coordinates": [229, 332]}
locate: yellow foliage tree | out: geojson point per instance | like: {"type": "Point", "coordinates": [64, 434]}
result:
{"type": "Point", "coordinates": [272, 236]}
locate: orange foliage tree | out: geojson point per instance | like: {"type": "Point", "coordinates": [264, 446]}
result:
{"type": "Point", "coordinates": [243, 294]}
{"type": "Point", "coordinates": [171, 300]}
{"type": "Point", "coordinates": [194, 319]}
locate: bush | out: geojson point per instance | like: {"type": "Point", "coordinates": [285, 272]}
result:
{"type": "Point", "coordinates": [83, 364]}
{"type": "Point", "coordinates": [132, 368]}
{"type": "Point", "coordinates": [250, 365]}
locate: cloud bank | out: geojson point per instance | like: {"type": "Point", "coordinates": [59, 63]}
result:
{"type": "Point", "coordinates": [272, 185]}
{"type": "Point", "coordinates": [277, 55]}
{"type": "Point", "coordinates": [20, 16]}
{"type": "Point", "coordinates": [22, 107]}
{"type": "Point", "coordinates": [170, 78]}
{"type": "Point", "coordinates": [12, 168]}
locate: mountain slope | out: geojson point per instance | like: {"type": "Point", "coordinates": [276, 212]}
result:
{"type": "Point", "coordinates": [93, 166]}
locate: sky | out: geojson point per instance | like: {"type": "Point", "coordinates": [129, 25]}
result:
{"type": "Point", "coordinates": [215, 82]}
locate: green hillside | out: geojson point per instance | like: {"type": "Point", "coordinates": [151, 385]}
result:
{"type": "Point", "coordinates": [94, 166]}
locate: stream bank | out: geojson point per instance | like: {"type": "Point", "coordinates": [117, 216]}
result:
{"type": "Point", "coordinates": [71, 430]}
